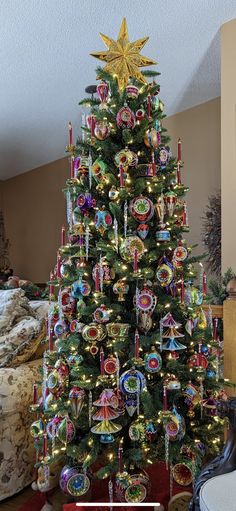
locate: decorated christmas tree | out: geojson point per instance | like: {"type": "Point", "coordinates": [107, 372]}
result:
{"type": "Point", "coordinates": [132, 371]}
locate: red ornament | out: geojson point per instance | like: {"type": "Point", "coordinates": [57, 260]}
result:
{"type": "Point", "coordinates": [125, 118]}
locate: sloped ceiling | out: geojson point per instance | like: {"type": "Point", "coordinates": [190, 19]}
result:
{"type": "Point", "coordinates": [45, 64]}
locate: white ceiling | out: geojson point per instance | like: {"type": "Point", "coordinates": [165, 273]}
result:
{"type": "Point", "coordinates": [45, 63]}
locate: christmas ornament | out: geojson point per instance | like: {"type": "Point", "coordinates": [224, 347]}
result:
{"type": "Point", "coordinates": [74, 361]}
{"type": "Point", "coordinates": [132, 383]}
{"type": "Point", "coordinates": [170, 199]}
{"type": "Point", "coordinates": [152, 138]}
{"type": "Point", "coordinates": [163, 235]}
{"type": "Point", "coordinates": [103, 220]}
{"type": "Point", "coordinates": [66, 430]}
{"type": "Point", "coordinates": [74, 481]}
{"type": "Point", "coordinates": [124, 157]}
{"type": "Point", "coordinates": [165, 272]}
{"type": "Point", "coordinates": [164, 156]}
{"type": "Point", "coordinates": [145, 302]}
{"type": "Point", "coordinates": [125, 118]}
{"type": "Point", "coordinates": [118, 330]}
{"type": "Point", "coordinates": [107, 412]}
{"type": "Point", "coordinates": [133, 487]}
{"type": "Point", "coordinates": [123, 57]}
{"type": "Point", "coordinates": [191, 394]}
{"type": "Point", "coordinates": [182, 473]}
{"type": "Point", "coordinates": [94, 332]}
{"type": "Point", "coordinates": [103, 94]}
{"type": "Point", "coordinates": [172, 383]}
{"type": "Point", "coordinates": [67, 301]}
{"type": "Point", "coordinates": [102, 271]}
{"type": "Point", "coordinates": [202, 321]}
{"type": "Point", "coordinates": [121, 288]}
{"type": "Point", "coordinates": [142, 231]}
{"type": "Point", "coordinates": [62, 368]}
{"type": "Point", "coordinates": [140, 114]}
{"type": "Point", "coordinates": [153, 361]}
{"type": "Point", "coordinates": [80, 288]}
{"type": "Point", "coordinates": [75, 326]}
{"type": "Point", "coordinates": [60, 328]}
{"type": "Point", "coordinates": [150, 431]}
{"type": "Point", "coordinates": [132, 91]}
{"type": "Point", "coordinates": [210, 406]}
{"type": "Point", "coordinates": [160, 208]}
{"type": "Point", "coordinates": [196, 361]}
{"type": "Point", "coordinates": [113, 193]}
{"type": "Point", "coordinates": [137, 431]}
{"type": "Point", "coordinates": [84, 202]}
{"type": "Point", "coordinates": [37, 429]}
{"type": "Point", "coordinates": [101, 314]}
{"type": "Point", "coordinates": [76, 396]}
{"type": "Point", "coordinates": [110, 365]}
{"type": "Point", "coordinates": [129, 246]}
{"type": "Point", "coordinates": [141, 208]}
{"type": "Point", "coordinates": [99, 168]}
{"type": "Point", "coordinates": [101, 130]}
{"type": "Point", "coordinates": [180, 254]}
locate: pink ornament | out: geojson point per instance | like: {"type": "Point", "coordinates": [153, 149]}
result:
{"type": "Point", "coordinates": [125, 118]}
{"type": "Point", "coordinates": [103, 94]}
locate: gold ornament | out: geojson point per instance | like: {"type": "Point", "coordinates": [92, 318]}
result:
{"type": "Point", "coordinates": [123, 58]}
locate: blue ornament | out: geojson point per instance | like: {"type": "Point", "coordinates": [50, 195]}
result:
{"type": "Point", "coordinates": [132, 382]}
{"type": "Point", "coordinates": [75, 360]}
{"type": "Point", "coordinates": [163, 235]}
{"type": "Point", "coordinates": [107, 438]}
{"type": "Point", "coordinates": [103, 220]}
{"type": "Point", "coordinates": [80, 288]}
{"type": "Point", "coordinates": [173, 345]}
{"type": "Point", "coordinates": [211, 374]}
{"type": "Point", "coordinates": [60, 328]}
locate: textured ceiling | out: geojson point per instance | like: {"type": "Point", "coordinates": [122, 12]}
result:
{"type": "Point", "coordinates": [45, 63]}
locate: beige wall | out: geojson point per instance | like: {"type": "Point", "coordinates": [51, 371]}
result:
{"type": "Point", "coordinates": [34, 209]}
{"type": "Point", "coordinates": [34, 205]}
{"type": "Point", "coordinates": [199, 130]}
{"type": "Point", "coordinates": [228, 143]}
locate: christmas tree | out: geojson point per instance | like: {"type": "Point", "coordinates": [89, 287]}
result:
{"type": "Point", "coordinates": [132, 372]}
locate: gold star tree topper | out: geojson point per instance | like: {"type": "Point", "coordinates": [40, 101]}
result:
{"type": "Point", "coordinates": [123, 58]}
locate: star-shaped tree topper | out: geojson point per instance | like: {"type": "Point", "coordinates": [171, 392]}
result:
{"type": "Point", "coordinates": [123, 58]}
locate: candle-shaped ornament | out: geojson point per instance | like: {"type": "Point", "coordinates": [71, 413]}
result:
{"type": "Point", "coordinates": [35, 394]}
{"type": "Point", "coordinates": [58, 265]}
{"type": "Point", "coordinates": [185, 215]}
{"type": "Point", "coordinates": [51, 287]}
{"type": "Point", "coordinates": [97, 280]}
{"type": "Point", "coordinates": [50, 343]}
{"type": "Point", "coordinates": [121, 174]}
{"type": "Point", "coordinates": [102, 361]}
{"type": "Point", "coordinates": [149, 106]}
{"type": "Point", "coordinates": [136, 344]}
{"type": "Point", "coordinates": [70, 134]}
{"type": "Point", "coordinates": [135, 266]}
{"type": "Point", "coordinates": [63, 236]}
{"type": "Point", "coordinates": [45, 445]}
{"type": "Point", "coordinates": [179, 150]}
{"type": "Point", "coordinates": [178, 174]}
{"type": "Point", "coordinates": [204, 283]}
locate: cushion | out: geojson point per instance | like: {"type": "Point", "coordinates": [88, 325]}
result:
{"type": "Point", "coordinates": [22, 327]}
{"type": "Point", "coordinates": [13, 306]}
{"type": "Point", "coordinates": [219, 493]}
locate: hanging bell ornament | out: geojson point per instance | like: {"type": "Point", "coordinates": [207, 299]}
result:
{"type": "Point", "coordinates": [103, 94]}
{"type": "Point", "coordinates": [152, 138]}
{"type": "Point", "coordinates": [101, 130]}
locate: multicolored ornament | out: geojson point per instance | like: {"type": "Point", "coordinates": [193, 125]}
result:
{"type": "Point", "coordinates": [131, 91]}
{"type": "Point", "coordinates": [80, 288]}
{"type": "Point", "coordinates": [137, 431]}
{"type": "Point", "coordinates": [170, 199]}
{"type": "Point", "coordinates": [107, 412]}
{"type": "Point", "coordinates": [60, 328]}
{"type": "Point", "coordinates": [129, 246]}
{"type": "Point", "coordinates": [103, 94]}
{"type": "Point", "coordinates": [172, 383]}
{"type": "Point", "coordinates": [141, 208]}
{"type": "Point", "coordinates": [74, 482]}
{"type": "Point", "coordinates": [37, 429]}
{"type": "Point", "coordinates": [180, 254]}
{"type": "Point", "coordinates": [99, 168]}
{"type": "Point", "coordinates": [137, 491]}
{"type": "Point", "coordinates": [153, 361]}
{"type": "Point", "coordinates": [191, 394]}
{"type": "Point", "coordinates": [113, 193]}
{"type": "Point", "coordinates": [118, 330]}
{"type": "Point", "coordinates": [182, 473]}
{"type": "Point", "coordinates": [74, 361]}
{"type": "Point", "coordinates": [67, 301]}
{"type": "Point", "coordinates": [152, 138]}
{"type": "Point", "coordinates": [101, 130]}
{"type": "Point", "coordinates": [165, 272]}
{"type": "Point", "coordinates": [75, 326]}
{"type": "Point", "coordinates": [150, 431]}
{"type": "Point", "coordinates": [101, 314]}
{"type": "Point", "coordinates": [145, 301]}
{"type": "Point", "coordinates": [163, 235]}
{"type": "Point", "coordinates": [121, 288]}
{"type": "Point", "coordinates": [164, 156]}
{"type": "Point", "coordinates": [94, 332]}
{"type": "Point", "coordinates": [77, 397]}
{"type": "Point", "coordinates": [103, 220]}
{"type": "Point", "coordinates": [110, 365]}
{"type": "Point", "coordinates": [85, 202]}
{"type": "Point", "coordinates": [140, 114]}
{"type": "Point", "coordinates": [125, 118]}
{"type": "Point", "coordinates": [132, 382]}
{"type": "Point", "coordinates": [66, 430]}
{"type": "Point", "coordinates": [142, 231]}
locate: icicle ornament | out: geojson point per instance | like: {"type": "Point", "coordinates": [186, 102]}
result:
{"type": "Point", "coordinates": [116, 239]}
{"type": "Point", "coordinates": [87, 232]}
{"type": "Point", "coordinates": [69, 209]}
{"type": "Point", "coordinates": [125, 218]}
{"type": "Point", "coordinates": [90, 164]}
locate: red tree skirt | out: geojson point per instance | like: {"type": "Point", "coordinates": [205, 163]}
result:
{"type": "Point", "coordinates": [160, 492]}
